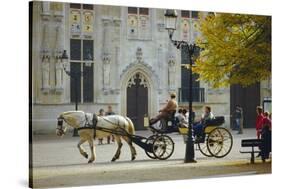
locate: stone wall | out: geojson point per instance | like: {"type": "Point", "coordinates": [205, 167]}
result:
{"type": "Point", "coordinates": [118, 55]}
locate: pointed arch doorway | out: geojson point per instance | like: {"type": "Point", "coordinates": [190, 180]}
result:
{"type": "Point", "coordinates": [137, 100]}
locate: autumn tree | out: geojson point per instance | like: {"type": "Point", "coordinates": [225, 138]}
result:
{"type": "Point", "coordinates": [236, 49]}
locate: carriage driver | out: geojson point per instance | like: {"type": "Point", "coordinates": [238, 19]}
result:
{"type": "Point", "coordinates": [169, 109]}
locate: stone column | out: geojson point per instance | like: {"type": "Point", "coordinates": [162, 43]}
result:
{"type": "Point", "coordinates": [106, 54]}
{"type": "Point", "coordinates": [58, 66]}
{"type": "Point", "coordinates": [58, 16]}
{"type": "Point", "coordinates": [45, 67]}
{"type": "Point", "coordinates": [161, 67]}
{"type": "Point", "coordinates": [116, 43]}
{"type": "Point", "coordinates": [172, 74]}
{"type": "Point", "coordinates": [45, 49]}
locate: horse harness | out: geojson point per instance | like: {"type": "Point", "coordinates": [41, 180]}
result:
{"type": "Point", "coordinates": [94, 126]}
{"type": "Point", "coordinates": [88, 125]}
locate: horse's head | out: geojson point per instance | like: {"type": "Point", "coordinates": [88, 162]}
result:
{"type": "Point", "coordinates": [60, 131]}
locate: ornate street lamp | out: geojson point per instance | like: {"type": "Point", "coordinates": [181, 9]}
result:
{"type": "Point", "coordinates": [64, 60]}
{"type": "Point", "coordinates": [171, 24]}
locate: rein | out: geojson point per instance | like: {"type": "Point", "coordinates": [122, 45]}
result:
{"type": "Point", "coordinates": [59, 126]}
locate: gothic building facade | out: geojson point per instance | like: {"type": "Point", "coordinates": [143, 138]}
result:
{"type": "Point", "coordinates": [124, 57]}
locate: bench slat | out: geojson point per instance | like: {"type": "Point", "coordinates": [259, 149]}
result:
{"type": "Point", "coordinates": [251, 142]}
{"type": "Point", "coordinates": [248, 152]}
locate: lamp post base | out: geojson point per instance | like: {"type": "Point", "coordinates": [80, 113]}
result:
{"type": "Point", "coordinates": [190, 161]}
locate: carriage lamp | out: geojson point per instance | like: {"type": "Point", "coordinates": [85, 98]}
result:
{"type": "Point", "coordinates": [65, 63]}
{"type": "Point", "coordinates": [171, 23]}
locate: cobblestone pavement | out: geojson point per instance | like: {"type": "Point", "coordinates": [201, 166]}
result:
{"type": "Point", "coordinates": [57, 162]}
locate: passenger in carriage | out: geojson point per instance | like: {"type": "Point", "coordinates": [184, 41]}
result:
{"type": "Point", "coordinates": [198, 128]}
{"type": "Point", "coordinates": [182, 118]}
{"type": "Point", "coordinates": [165, 112]}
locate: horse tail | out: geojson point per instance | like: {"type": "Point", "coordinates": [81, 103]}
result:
{"type": "Point", "coordinates": [131, 128]}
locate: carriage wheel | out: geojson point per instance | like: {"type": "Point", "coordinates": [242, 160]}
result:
{"type": "Point", "coordinates": [219, 142]}
{"type": "Point", "coordinates": [163, 147]}
{"type": "Point", "coordinates": [150, 140]}
{"type": "Point", "coordinates": [204, 149]}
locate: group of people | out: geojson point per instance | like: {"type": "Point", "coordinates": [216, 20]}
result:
{"type": "Point", "coordinates": [263, 130]}
{"type": "Point", "coordinates": [263, 121]}
{"type": "Point", "coordinates": [183, 116]}
{"type": "Point", "coordinates": [198, 127]}
{"type": "Point", "coordinates": [103, 113]}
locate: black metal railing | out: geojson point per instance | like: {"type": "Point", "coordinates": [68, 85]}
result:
{"type": "Point", "coordinates": [198, 94]}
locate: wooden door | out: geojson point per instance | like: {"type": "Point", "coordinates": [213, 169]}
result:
{"type": "Point", "coordinates": [137, 102]}
{"type": "Point", "coordinates": [248, 98]}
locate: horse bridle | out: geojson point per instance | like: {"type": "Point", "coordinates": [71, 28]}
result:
{"type": "Point", "coordinates": [59, 125]}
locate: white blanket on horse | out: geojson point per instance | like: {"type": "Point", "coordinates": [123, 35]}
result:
{"type": "Point", "coordinates": [81, 119]}
{"type": "Point", "coordinates": [109, 122]}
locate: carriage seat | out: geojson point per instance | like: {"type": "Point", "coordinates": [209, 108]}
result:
{"type": "Point", "coordinates": [217, 121]}
{"type": "Point", "coordinates": [171, 116]}
{"type": "Point", "coordinates": [171, 121]}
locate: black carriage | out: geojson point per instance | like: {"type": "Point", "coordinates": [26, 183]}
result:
{"type": "Point", "coordinates": [216, 141]}
{"type": "Point", "coordinates": [157, 146]}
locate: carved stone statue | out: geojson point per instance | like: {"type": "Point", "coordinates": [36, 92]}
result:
{"type": "Point", "coordinates": [172, 74]}
{"type": "Point", "coordinates": [106, 72]}
{"type": "Point", "coordinates": [106, 57]}
{"type": "Point", "coordinates": [45, 74]}
{"type": "Point", "coordinates": [171, 67]}
{"type": "Point", "coordinates": [46, 54]}
{"type": "Point", "coordinates": [59, 78]}
{"type": "Point", "coordinates": [58, 66]}
{"type": "Point", "coordinates": [160, 62]}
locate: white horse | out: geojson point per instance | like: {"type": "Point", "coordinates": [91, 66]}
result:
{"type": "Point", "coordinates": [84, 121]}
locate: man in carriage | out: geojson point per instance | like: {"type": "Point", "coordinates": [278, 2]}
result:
{"type": "Point", "coordinates": [198, 128]}
{"type": "Point", "coordinates": [167, 111]}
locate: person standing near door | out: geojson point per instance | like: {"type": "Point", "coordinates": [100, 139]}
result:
{"type": "Point", "coordinates": [241, 121]}
{"type": "Point", "coordinates": [238, 117]}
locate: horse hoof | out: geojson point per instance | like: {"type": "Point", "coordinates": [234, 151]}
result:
{"type": "Point", "coordinates": [113, 159]}
{"type": "Point", "coordinates": [90, 161]}
{"type": "Point", "coordinates": [133, 158]}
{"type": "Point", "coordinates": [85, 155]}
